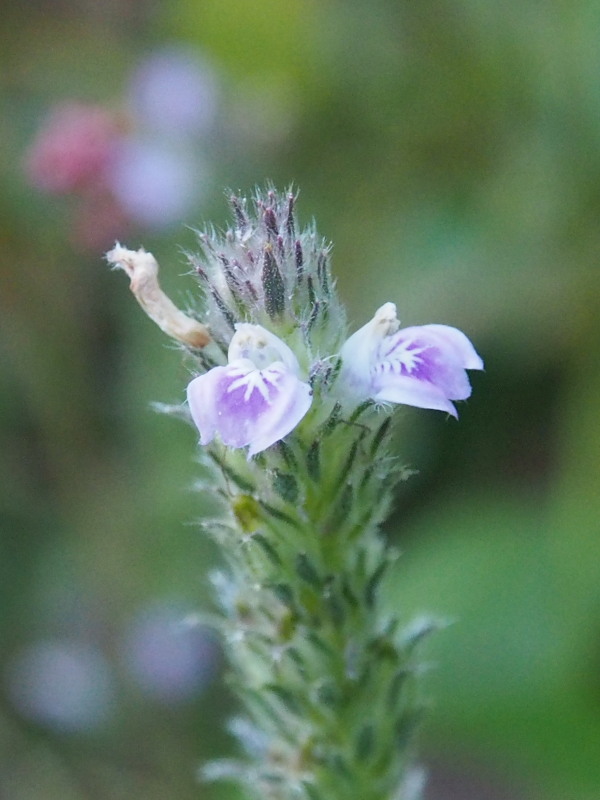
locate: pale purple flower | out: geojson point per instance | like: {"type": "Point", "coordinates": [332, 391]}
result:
{"type": "Point", "coordinates": [255, 400]}
{"type": "Point", "coordinates": [167, 657]}
{"type": "Point", "coordinates": [420, 366]}
{"type": "Point", "coordinates": [155, 182]}
{"type": "Point", "coordinates": [174, 91]}
{"type": "Point", "coordinates": [66, 685]}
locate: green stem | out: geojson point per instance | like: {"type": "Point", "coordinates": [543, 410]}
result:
{"type": "Point", "coordinates": [323, 671]}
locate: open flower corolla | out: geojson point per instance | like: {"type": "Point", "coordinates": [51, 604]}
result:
{"type": "Point", "coordinates": [256, 399]}
{"type": "Point", "coordinates": [423, 366]}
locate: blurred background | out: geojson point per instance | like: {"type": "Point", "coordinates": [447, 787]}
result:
{"type": "Point", "coordinates": [451, 151]}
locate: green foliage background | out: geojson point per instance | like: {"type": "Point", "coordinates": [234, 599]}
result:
{"type": "Point", "coordinates": [451, 151]}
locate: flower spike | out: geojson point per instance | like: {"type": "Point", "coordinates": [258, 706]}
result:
{"type": "Point", "coordinates": [327, 676]}
{"type": "Point", "coordinates": [421, 366]}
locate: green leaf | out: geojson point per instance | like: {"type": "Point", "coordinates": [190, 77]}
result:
{"type": "Point", "coordinates": [328, 694]}
{"type": "Point", "coordinates": [374, 581]}
{"type": "Point", "coordinates": [312, 793]}
{"type": "Point", "coordinates": [313, 461]}
{"type": "Point", "coordinates": [288, 455]}
{"type": "Point", "coordinates": [336, 608]}
{"type": "Point", "coordinates": [307, 571]}
{"type": "Point", "coordinates": [396, 686]}
{"type": "Point", "coordinates": [365, 742]}
{"type": "Point", "coordinates": [380, 435]}
{"type": "Point", "coordinates": [284, 593]}
{"type": "Point", "coordinates": [286, 486]}
{"type": "Point", "coordinates": [360, 410]}
{"type": "Point", "coordinates": [282, 516]}
{"type": "Point", "coordinates": [268, 548]}
{"type": "Point", "coordinates": [348, 594]}
{"type": "Point", "coordinates": [288, 698]}
{"type": "Point", "coordinates": [407, 725]}
{"type": "Point", "coordinates": [320, 644]}
{"type": "Point", "coordinates": [298, 660]}
{"type": "Point", "coordinates": [333, 419]}
{"type": "Point", "coordinates": [418, 630]}
{"type": "Point", "coordinates": [240, 481]}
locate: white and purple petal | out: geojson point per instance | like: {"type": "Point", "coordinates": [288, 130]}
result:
{"type": "Point", "coordinates": [422, 366]}
{"type": "Point", "coordinates": [411, 392]}
{"type": "Point", "coordinates": [260, 346]}
{"type": "Point", "coordinates": [452, 339]}
{"type": "Point", "coordinates": [360, 351]}
{"type": "Point", "coordinates": [247, 406]}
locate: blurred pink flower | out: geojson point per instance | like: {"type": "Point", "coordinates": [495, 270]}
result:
{"type": "Point", "coordinates": [146, 165]}
{"type": "Point", "coordinates": [73, 148]}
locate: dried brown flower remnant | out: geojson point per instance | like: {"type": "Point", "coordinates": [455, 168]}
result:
{"type": "Point", "coordinates": [142, 269]}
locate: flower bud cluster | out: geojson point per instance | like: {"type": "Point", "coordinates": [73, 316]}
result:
{"type": "Point", "coordinates": [266, 272]}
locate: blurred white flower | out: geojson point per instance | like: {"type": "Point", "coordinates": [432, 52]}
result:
{"type": "Point", "coordinates": [167, 658]}
{"type": "Point", "coordinates": [157, 182]}
{"type": "Point", "coordinates": [65, 685]}
{"type": "Point", "coordinates": [175, 92]}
